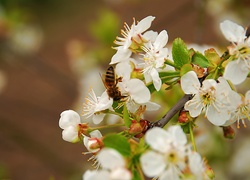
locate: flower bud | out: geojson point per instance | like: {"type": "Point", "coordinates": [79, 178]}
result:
{"type": "Point", "coordinates": [209, 171]}
{"type": "Point", "coordinates": [228, 132]}
{"type": "Point", "coordinates": [93, 143]}
{"type": "Point", "coordinates": [138, 129]}
{"type": "Point", "coordinates": [83, 129]}
{"type": "Point", "coordinates": [135, 128]}
{"type": "Point", "coordinates": [183, 117]}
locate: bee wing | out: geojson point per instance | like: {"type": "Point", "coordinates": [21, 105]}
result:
{"type": "Point", "coordinates": [103, 79]}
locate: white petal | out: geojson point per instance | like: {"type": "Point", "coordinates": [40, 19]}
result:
{"type": "Point", "coordinates": [96, 175]}
{"type": "Point", "coordinates": [138, 91]}
{"type": "Point", "coordinates": [97, 118]}
{"type": "Point", "coordinates": [196, 163]}
{"type": "Point", "coordinates": [161, 40]}
{"type": "Point", "coordinates": [150, 35]}
{"type": "Point", "coordinates": [121, 174]}
{"type": "Point", "coordinates": [232, 31]}
{"type": "Point", "coordinates": [132, 106]}
{"type": "Point", "coordinates": [96, 134]}
{"type": "Point", "coordinates": [156, 79]}
{"type": "Point", "coordinates": [147, 77]}
{"type": "Point", "coordinates": [69, 118]}
{"type": "Point", "coordinates": [216, 117]}
{"type": "Point", "coordinates": [178, 135]}
{"type": "Point", "coordinates": [70, 134]}
{"type": "Point", "coordinates": [104, 102]}
{"type": "Point", "coordinates": [151, 106]}
{"type": "Point", "coordinates": [190, 83]}
{"type": "Point", "coordinates": [158, 139]}
{"type": "Point", "coordinates": [170, 173]}
{"type": "Point", "coordinates": [144, 24]}
{"type": "Point", "coordinates": [236, 71]}
{"type": "Point", "coordinates": [247, 97]}
{"type": "Point", "coordinates": [110, 159]}
{"type": "Point", "coordinates": [123, 69]}
{"type": "Point", "coordinates": [152, 163]}
{"type": "Point", "coordinates": [194, 106]}
{"type": "Point", "coordinates": [122, 54]}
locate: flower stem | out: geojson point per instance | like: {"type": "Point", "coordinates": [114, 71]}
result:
{"type": "Point", "coordinates": [176, 108]}
{"type": "Point", "coordinates": [108, 126]}
{"type": "Point", "coordinates": [171, 63]}
{"type": "Point", "coordinates": [192, 136]}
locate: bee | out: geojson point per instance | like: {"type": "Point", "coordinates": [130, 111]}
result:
{"type": "Point", "coordinates": [110, 82]}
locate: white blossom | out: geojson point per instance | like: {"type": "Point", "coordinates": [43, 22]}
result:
{"type": "Point", "coordinates": [69, 122]}
{"type": "Point", "coordinates": [132, 38]}
{"type": "Point", "coordinates": [236, 70]}
{"type": "Point", "coordinates": [113, 167]}
{"type": "Point", "coordinates": [134, 90]}
{"type": "Point", "coordinates": [155, 56]}
{"type": "Point", "coordinates": [242, 110]}
{"type": "Point", "coordinates": [93, 143]}
{"type": "Point", "coordinates": [213, 98]}
{"type": "Point", "coordinates": [167, 159]}
{"type": "Point", "coordinates": [94, 106]}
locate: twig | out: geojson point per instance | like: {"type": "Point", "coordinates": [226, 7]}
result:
{"type": "Point", "coordinates": [176, 108]}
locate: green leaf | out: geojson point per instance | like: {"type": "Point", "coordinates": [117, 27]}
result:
{"type": "Point", "coordinates": [185, 69]}
{"type": "Point", "coordinates": [180, 53]}
{"type": "Point", "coordinates": [200, 60]}
{"type": "Point", "coordinates": [126, 118]}
{"type": "Point", "coordinates": [117, 142]}
{"type": "Point", "coordinates": [212, 56]}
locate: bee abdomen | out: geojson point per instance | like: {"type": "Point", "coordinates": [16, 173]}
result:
{"type": "Point", "coordinates": [110, 77]}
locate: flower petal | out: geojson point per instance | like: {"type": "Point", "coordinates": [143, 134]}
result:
{"type": "Point", "coordinates": [70, 134]}
{"type": "Point", "coordinates": [96, 175]}
{"type": "Point", "coordinates": [97, 118]}
{"type": "Point", "coordinates": [232, 31]}
{"type": "Point", "coordinates": [170, 173]}
{"type": "Point", "coordinates": [144, 24]}
{"type": "Point", "coordinates": [156, 79]}
{"type": "Point", "coordinates": [194, 106]}
{"type": "Point", "coordinates": [123, 69]}
{"type": "Point", "coordinates": [236, 71]}
{"type": "Point", "coordinates": [179, 137]}
{"type": "Point", "coordinates": [110, 159]}
{"type": "Point", "coordinates": [217, 117]}
{"type": "Point", "coordinates": [121, 174]}
{"type": "Point", "coordinates": [247, 97]}
{"type": "Point", "coordinates": [151, 106]}
{"type": "Point", "coordinates": [122, 54]}
{"type": "Point", "coordinates": [190, 83]}
{"type": "Point", "coordinates": [152, 164]}
{"type": "Point", "coordinates": [138, 91]}
{"type": "Point", "coordinates": [161, 40]}
{"type": "Point", "coordinates": [96, 134]}
{"type": "Point", "coordinates": [69, 118]}
{"type": "Point", "coordinates": [158, 139]}
{"type": "Point", "coordinates": [104, 102]}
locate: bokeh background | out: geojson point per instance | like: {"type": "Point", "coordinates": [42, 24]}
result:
{"type": "Point", "coordinates": [52, 52]}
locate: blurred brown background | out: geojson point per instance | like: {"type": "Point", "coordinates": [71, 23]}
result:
{"type": "Point", "coordinates": [47, 48]}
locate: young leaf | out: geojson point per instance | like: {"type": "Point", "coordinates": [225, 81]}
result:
{"type": "Point", "coordinates": [180, 53]}
{"type": "Point", "coordinates": [212, 56]}
{"type": "Point", "coordinates": [117, 142]}
{"type": "Point", "coordinates": [200, 60]}
{"type": "Point", "coordinates": [185, 69]}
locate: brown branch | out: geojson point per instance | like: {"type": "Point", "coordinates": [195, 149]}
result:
{"type": "Point", "coordinates": [176, 108]}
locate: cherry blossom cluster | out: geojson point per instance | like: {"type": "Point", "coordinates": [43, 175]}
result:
{"type": "Point", "coordinates": [143, 65]}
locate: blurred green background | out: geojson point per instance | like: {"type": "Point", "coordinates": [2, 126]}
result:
{"type": "Point", "coordinates": [52, 51]}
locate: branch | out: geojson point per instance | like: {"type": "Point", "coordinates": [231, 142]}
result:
{"type": "Point", "coordinates": [176, 108]}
